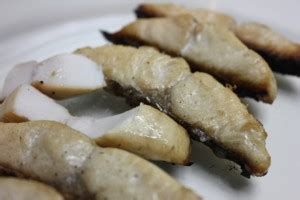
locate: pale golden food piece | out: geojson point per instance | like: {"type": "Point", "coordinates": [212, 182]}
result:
{"type": "Point", "coordinates": [149, 10]}
{"type": "Point", "coordinates": [211, 112]}
{"type": "Point", "coordinates": [21, 189]}
{"type": "Point", "coordinates": [151, 134]}
{"type": "Point", "coordinates": [282, 54]}
{"type": "Point", "coordinates": [208, 48]}
{"type": "Point", "coordinates": [64, 158]}
{"type": "Point", "coordinates": [143, 130]}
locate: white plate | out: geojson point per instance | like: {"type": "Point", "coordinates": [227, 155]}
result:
{"type": "Point", "coordinates": [35, 29]}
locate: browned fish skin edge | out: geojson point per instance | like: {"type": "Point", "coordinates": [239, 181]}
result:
{"type": "Point", "coordinates": [134, 97]}
{"type": "Point", "coordinates": [242, 91]}
{"type": "Point", "coordinates": [119, 39]}
{"type": "Point", "coordinates": [280, 64]}
{"type": "Point", "coordinates": [218, 150]}
{"type": "Point", "coordinates": [141, 12]}
{"type": "Point", "coordinates": [12, 117]}
{"type": "Point", "coordinates": [8, 172]}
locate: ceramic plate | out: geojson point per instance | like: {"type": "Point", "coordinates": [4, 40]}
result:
{"type": "Point", "coordinates": [35, 30]}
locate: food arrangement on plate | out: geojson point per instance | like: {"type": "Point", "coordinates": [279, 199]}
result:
{"type": "Point", "coordinates": [183, 72]}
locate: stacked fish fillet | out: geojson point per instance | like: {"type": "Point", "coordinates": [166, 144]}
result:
{"type": "Point", "coordinates": [176, 97]}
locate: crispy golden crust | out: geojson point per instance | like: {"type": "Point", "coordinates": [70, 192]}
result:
{"type": "Point", "coordinates": [282, 54]}
{"type": "Point", "coordinates": [207, 48]}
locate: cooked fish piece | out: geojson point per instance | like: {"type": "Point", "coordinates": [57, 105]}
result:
{"type": "Point", "coordinates": [149, 10]}
{"type": "Point", "coordinates": [282, 54]}
{"type": "Point", "coordinates": [60, 77]}
{"type": "Point", "coordinates": [207, 48]}
{"type": "Point", "coordinates": [142, 130]}
{"type": "Point", "coordinates": [62, 157]}
{"type": "Point", "coordinates": [211, 112]}
{"type": "Point", "coordinates": [20, 189]}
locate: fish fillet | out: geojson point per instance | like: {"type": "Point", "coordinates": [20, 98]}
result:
{"type": "Point", "coordinates": [211, 112]}
{"type": "Point", "coordinates": [208, 48]}
{"type": "Point", "coordinates": [55, 154]}
{"type": "Point", "coordinates": [143, 130]}
{"type": "Point", "coordinates": [149, 10]}
{"type": "Point", "coordinates": [282, 54]}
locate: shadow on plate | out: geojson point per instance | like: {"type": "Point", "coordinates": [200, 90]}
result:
{"type": "Point", "coordinates": [254, 108]}
{"type": "Point", "coordinates": [217, 169]}
{"type": "Point", "coordinates": [168, 167]}
{"type": "Point", "coordinates": [96, 104]}
{"type": "Point", "coordinates": [285, 84]}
